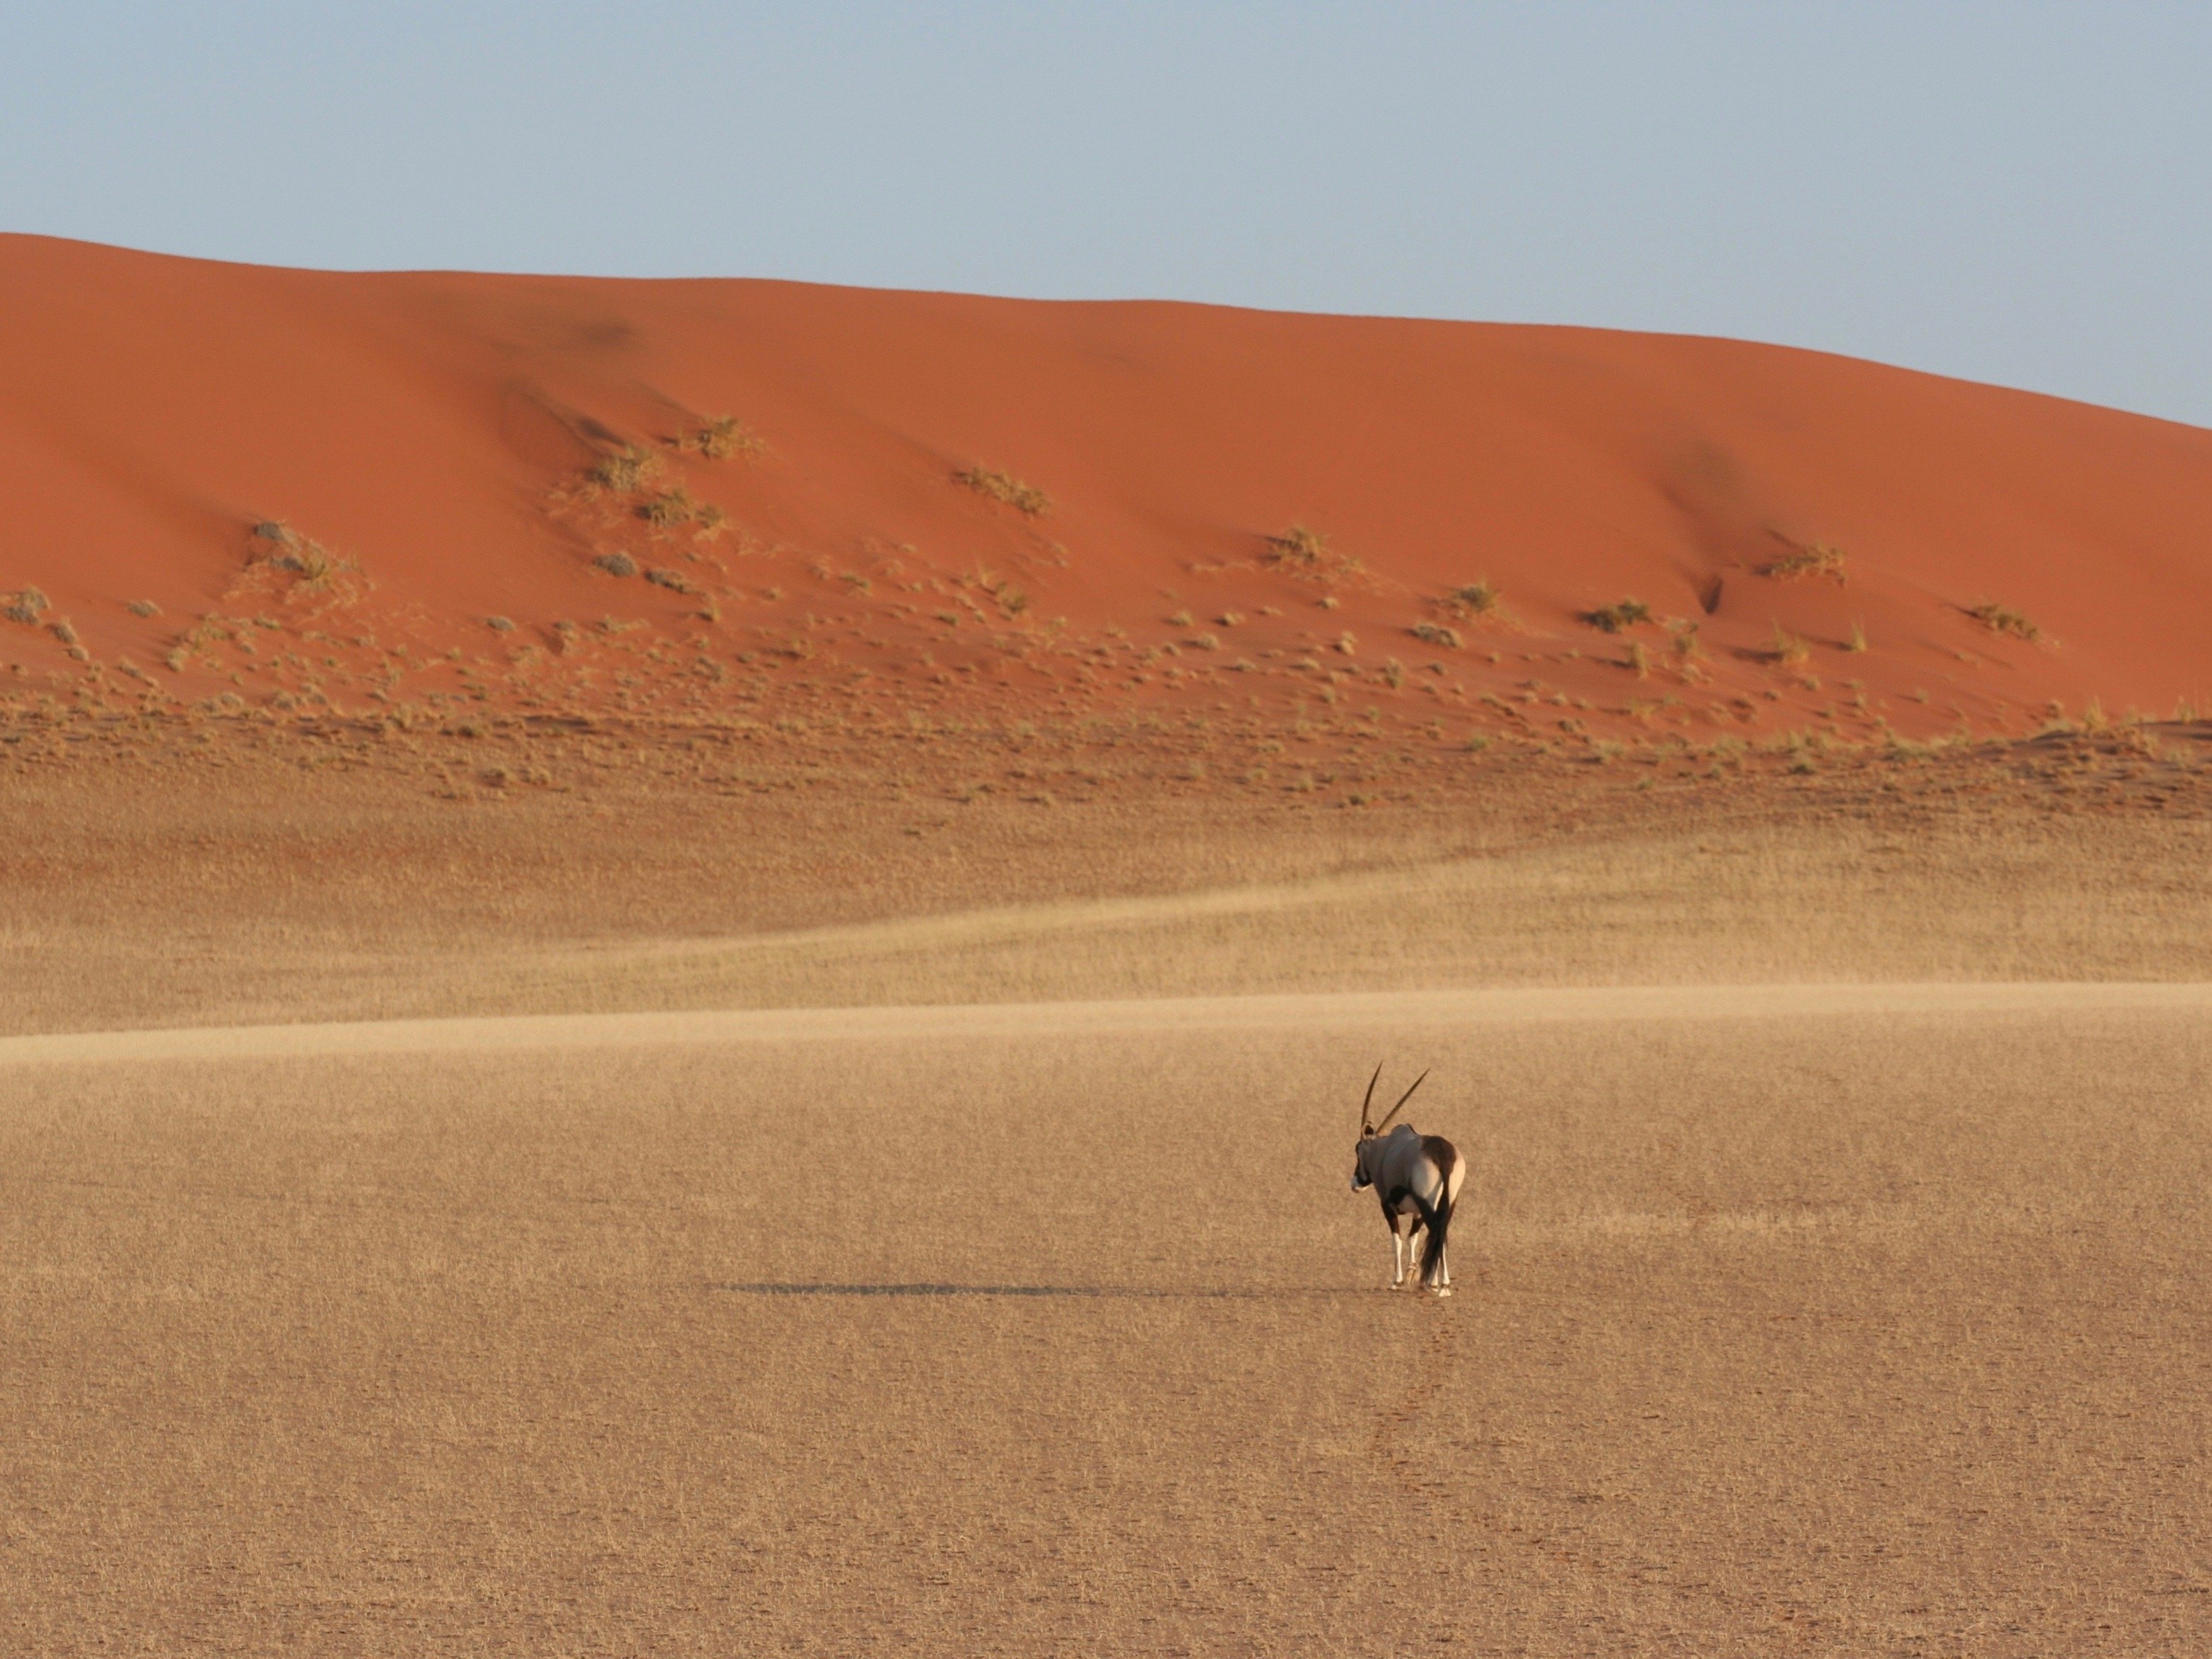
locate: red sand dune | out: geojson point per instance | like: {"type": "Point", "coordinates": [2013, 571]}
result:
{"type": "Point", "coordinates": [432, 432]}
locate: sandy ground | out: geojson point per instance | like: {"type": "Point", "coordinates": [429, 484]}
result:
{"type": "Point", "coordinates": [237, 875]}
{"type": "Point", "coordinates": [1840, 1320]}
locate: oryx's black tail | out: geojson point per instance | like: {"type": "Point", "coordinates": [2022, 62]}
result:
{"type": "Point", "coordinates": [1443, 1158]}
{"type": "Point", "coordinates": [1432, 1251]}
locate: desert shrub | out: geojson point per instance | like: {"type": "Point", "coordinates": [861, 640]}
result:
{"type": "Point", "coordinates": [673, 580]}
{"type": "Point", "coordinates": [1298, 546]}
{"type": "Point", "coordinates": [617, 564]}
{"type": "Point", "coordinates": [499, 624]}
{"type": "Point", "coordinates": [1619, 617]}
{"type": "Point", "coordinates": [668, 508]}
{"type": "Point", "coordinates": [143, 608]}
{"type": "Point", "coordinates": [1003, 487]}
{"type": "Point", "coordinates": [1638, 660]}
{"type": "Point", "coordinates": [1788, 648]}
{"type": "Point", "coordinates": [720, 439]}
{"type": "Point", "coordinates": [1999, 620]}
{"type": "Point", "coordinates": [627, 469]}
{"type": "Point", "coordinates": [1858, 642]}
{"type": "Point", "coordinates": [1436, 634]}
{"type": "Point", "coordinates": [27, 607]}
{"type": "Point", "coordinates": [1802, 563]}
{"type": "Point", "coordinates": [1476, 598]}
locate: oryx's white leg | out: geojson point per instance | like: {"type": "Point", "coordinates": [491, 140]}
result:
{"type": "Point", "coordinates": [1397, 1255]}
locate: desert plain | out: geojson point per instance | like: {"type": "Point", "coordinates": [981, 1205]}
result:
{"type": "Point", "coordinates": [584, 1075]}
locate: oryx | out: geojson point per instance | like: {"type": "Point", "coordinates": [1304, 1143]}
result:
{"type": "Point", "coordinates": [1418, 1178]}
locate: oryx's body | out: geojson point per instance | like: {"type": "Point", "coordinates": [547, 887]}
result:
{"type": "Point", "coordinates": [1418, 1178]}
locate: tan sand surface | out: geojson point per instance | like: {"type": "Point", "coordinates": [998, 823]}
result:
{"type": "Point", "coordinates": [1823, 1319]}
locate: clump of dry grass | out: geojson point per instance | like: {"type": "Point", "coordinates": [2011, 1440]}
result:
{"type": "Point", "coordinates": [27, 607]}
{"type": "Point", "coordinates": [1301, 550]}
{"type": "Point", "coordinates": [1809, 562]}
{"type": "Point", "coordinates": [1476, 598]}
{"type": "Point", "coordinates": [1299, 546]}
{"type": "Point", "coordinates": [1619, 618]}
{"type": "Point", "coordinates": [673, 580]}
{"type": "Point", "coordinates": [721, 438]}
{"type": "Point", "coordinates": [1999, 619]}
{"type": "Point", "coordinates": [1005, 489]}
{"type": "Point", "coordinates": [143, 608]}
{"type": "Point", "coordinates": [1436, 634]}
{"type": "Point", "coordinates": [1787, 647]}
{"type": "Point", "coordinates": [1858, 642]}
{"type": "Point", "coordinates": [615, 564]}
{"type": "Point", "coordinates": [499, 624]}
{"type": "Point", "coordinates": [1637, 661]}
{"type": "Point", "coordinates": [626, 470]}
{"type": "Point", "coordinates": [667, 509]}
{"type": "Point", "coordinates": [302, 556]}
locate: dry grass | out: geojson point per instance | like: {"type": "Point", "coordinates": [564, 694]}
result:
{"type": "Point", "coordinates": [723, 439]}
{"type": "Point", "coordinates": [1474, 601]}
{"type": "Point", "coordinates": [1619, 618]}
{"type": "Point", "coordinates": [1436, 634]}
{"type": "Point", "coordinates": [1790, 650]}
{"type": "Point", "coordinates": [1004, 488]}
{"type": "Point", "coordinates": [1301, 550]}
{"type": "Point", "coordinates": [1999, 620]}
{"type": "Point", "coordinates": [1817, 561]}
{"type": "Point", "coordinates": [624, 471]}
{"type": "Point", "coordinates": [665, 509]}
{"type": "Point", "coordinates": [1861, 1333]}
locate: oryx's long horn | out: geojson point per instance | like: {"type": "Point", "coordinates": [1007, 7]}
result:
{"type": "Point", "coordinates": [1402, 1099]}
{"type": "Point", "coordinates": [1370, 1101]}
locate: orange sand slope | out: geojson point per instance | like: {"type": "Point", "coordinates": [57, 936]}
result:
{"type": "Point", "coordinates": [431, 451]}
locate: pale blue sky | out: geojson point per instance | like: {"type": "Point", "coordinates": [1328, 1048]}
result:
{"type": "Point", "coordinates": [2014, 192]}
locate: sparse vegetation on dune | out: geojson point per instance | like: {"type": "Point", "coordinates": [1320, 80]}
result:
{"type": "Point", "coordinates": [722, 439]}
{"type": "Point", "coordinates": [1005, 489]}
{"type": "Point", "coordinates": [626, 470]}
{"type": "Point", "coordinates": [2000, 619]}
{"type": "Point", "coordinates": [1815, 561]}
{"type": "Point", "coordinates": [1788, 649]}
{"type": "Point", "coordinates": [1619, 618]}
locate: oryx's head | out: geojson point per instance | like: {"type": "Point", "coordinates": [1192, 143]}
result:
{"type": "Point", "coordinates": [1365, 1155]}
